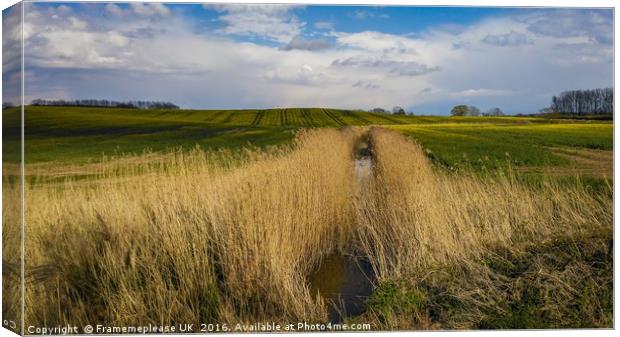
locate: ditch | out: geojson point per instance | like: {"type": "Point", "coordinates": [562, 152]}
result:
{"type": "Point", "coordinates": [345, 281]}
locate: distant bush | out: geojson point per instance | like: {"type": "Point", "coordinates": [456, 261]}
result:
{"type": "Point", "coordinates": [397, 110]}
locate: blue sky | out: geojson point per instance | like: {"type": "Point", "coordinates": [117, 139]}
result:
{"type": "Point", "coordinates": [426, 59]}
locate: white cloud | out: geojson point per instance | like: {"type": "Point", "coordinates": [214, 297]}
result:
{"type": "Point", "coordinates": [481, 92]}
{"type": "Point", "coordinates": [366, 85]}
{"type": "Point", "coordinates": [149, 9]}
{"type": "Point", "coordinates": [378, 42]}
{"type": "Point", "coordinates": [273, 22]}
{"type": "Point", "coordinates": [77, 24]}
{"type": "Point", "coordinates": [11, 55]}
{"type": "Point", "coordinates": [326, 25]}
{"type": "Point", "coordinates": [301, 43]}
{"type": "Point", "coordinates": [63, 9]}
{"type": "Point", "coordinates": [363, 14]}
{"type": "Point", "coordinates": [305, 75]}
{"type": "Point", "coordinates": [511, 39]}
{"type": "Point", "coordinates": [138, 9]}
{"type": "Point", "coordinates": [113, 9]}
{"type": "Point", "coordinates": [11, 38]}
{"type": "Point", "coordinates": [133, 56]}
{"type": "Point", "coordinates": [386, 65]}
{"type": "Point", "coordinates": [571, 23]}
{"type": "Point", "coordinates": [582, 53]}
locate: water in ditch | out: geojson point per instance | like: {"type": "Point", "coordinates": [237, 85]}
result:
{"type": "Point", "coordinates": [345, 281]}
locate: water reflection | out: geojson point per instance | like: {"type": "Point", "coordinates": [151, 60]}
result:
{"type": "Point", "coordinates": [344, 283]}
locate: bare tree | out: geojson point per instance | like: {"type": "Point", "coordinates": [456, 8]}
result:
{"type": "Point", "coordinates": [494, 112]}
{"type": "Point", "coordinates": [397, 110]}
{"type": "Point", "coordinates": [582, 102]}
{"type": "Point", "coordinates": [106, 104]}
{"type": "Point", "coordinates": [473, 111]}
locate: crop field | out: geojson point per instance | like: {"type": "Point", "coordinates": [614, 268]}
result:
{"type": "Point", "coordinates": [75, 134]}
{"type": "Point", "coordinates": [276, 215]}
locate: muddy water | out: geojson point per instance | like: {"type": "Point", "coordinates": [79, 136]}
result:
{"type": "Point", "coordinates": [345, 282]}
{"type": "Point", "coordinates": [363, 165]}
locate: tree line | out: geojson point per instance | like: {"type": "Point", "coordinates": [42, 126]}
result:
{"type": "Point", "coordinates": [397, 110]}
{"type": "Point", "coordinates": [574, 102]}
{"type": "Point", "coordinates": [465, 110]}
{"type": "Point", "coordinates": [583, 102]}
{"type": "Point", "coordinates": [104, 103]}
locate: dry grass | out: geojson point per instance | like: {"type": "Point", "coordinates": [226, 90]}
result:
{"type": "Point", "coordinates": [11, 245]}
{"type": "Point", "coordinates": [420, 224]}
{"type": "Point", "coordinates": [187, 241]}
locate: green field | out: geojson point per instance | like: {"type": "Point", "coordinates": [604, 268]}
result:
{"type": "Point", "coordinates": [77, 134]}
{"type": "Point", "coordinates": [70, 134]}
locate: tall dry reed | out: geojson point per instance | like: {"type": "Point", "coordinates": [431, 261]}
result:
{"type": "Point", "coordinates": [429, 228]}
{"type": "Point", "coordinates": [11, 246]}
{"type": "Point", "coordinates": [415, 216]}
{"type": "Point", "coordinates": [183, 240]}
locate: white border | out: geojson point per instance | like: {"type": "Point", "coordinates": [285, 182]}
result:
{"type": "Point", "coordinates": [468, 3]}
{"type": "Point", "coordinates": [471, 3]}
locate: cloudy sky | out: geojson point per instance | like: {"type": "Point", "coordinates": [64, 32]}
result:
{"type": "Point", "coordinates": [426, 59]}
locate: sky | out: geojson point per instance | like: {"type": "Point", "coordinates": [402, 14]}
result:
{"type": "Point", "coordinates": [213, 56]}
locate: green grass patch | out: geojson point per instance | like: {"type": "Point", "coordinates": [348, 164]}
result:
{"type": "Point", "coordinates": [391, 300]}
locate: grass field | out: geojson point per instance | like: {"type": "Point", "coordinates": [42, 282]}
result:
{"type": "Point", "coordinates": [490, 145]}
{"type": "Point", "coordinates": [232, 230]}
{"type": "Point", "coordinates": [77, 134]}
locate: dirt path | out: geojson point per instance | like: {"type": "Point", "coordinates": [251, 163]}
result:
{"type": "Point", "coordinates": [584, 162]}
